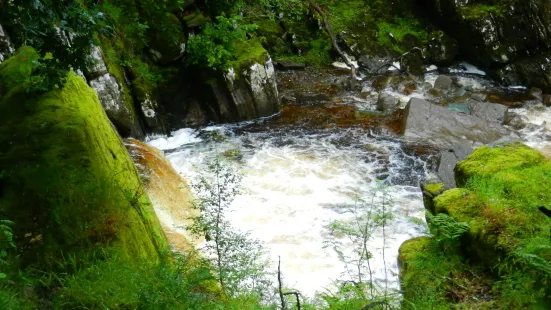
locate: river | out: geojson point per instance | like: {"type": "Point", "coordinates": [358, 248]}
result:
{"type": "Point", "coordinates": [297, 180]}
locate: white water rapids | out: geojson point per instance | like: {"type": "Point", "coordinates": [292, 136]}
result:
{"type": "Point", "coordinates": [296, 182]}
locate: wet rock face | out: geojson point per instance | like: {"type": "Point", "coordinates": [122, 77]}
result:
{"type": "Point", "coordinates": [95, 66]}
{"type": "Point", "coordinates": [530, 71]}
{"type": "Point", "coordinates": [443, 48]}
{"type": "Point", "coordinates": [494, 34]}
{"type": "Point", "coordinates": [6, 48]}
{"type": "Point", "coordinates": [445, 128]}
{"type": "Point", "coordinates": [248, 94]}
{"type": "Point", "coordinates": [111, 98]}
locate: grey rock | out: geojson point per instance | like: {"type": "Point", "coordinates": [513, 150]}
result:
{"type": "Point", "coordinates": [365, 92]}
{"type": "Point", "coordinates": [250, 95]}
{"type": "Point", "coordinates": [491, 112]}
{"type": "Point", "coordinates": [195, 116]}
{"type": "Point", "coordinates": [6, 49]}
{"type": "Point", "coordinates": [443, 82]}
{"type": "Point", "coordinates": [386, 103]}
{"type": "Point", "coordinates": [288, 100]}
{"type": "Point", "coordinates": [444, 128]}
{"type": "Point", "coordinates": [375, 64]}
{"type": "Point", "coordinates": [547, 100]}
{"type": "Point", "coordinates": [111, 98]}
{"type": "Point", "coordinates": [516, 121]}
{"type": "Point", "coordinates": [482, 97]}
{"type": "Point", "coordinates": [449, 159]}
{"type": "Point", "coordinates": [536, 93]}
{"type": "Point", "coordinates": [95, 66]}
{"type": "Point", "coordinates": [426, 86]}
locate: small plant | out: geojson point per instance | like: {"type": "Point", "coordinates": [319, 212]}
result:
{"type": "Point", "coordinates": [367, 216]}
{"type": "Point", "coordinates": [236, 257]}
{"type": "Point", "coordinates": [446, 228]}
{"type": "Point", "coordinates": [6, 242]}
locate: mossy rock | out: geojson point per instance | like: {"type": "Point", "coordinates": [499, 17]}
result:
{"type": "Point", "coordinates": [486, 161]}
{"type": "Point", "coordinates": [430, 191]}
{"type": "Point", "coordinates": [504, 187]}
{"type": "Point", "coordinates": [68, 182]}
{"type": "Point", "coordinates": [250, 52]}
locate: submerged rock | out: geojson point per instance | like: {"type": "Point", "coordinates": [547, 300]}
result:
{"type": "Point", "coordinates": [387, 103]}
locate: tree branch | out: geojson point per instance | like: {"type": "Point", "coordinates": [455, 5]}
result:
{"type": "Point", "coordinates": [327, 27]}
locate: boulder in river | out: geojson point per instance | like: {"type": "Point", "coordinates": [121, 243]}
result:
{"type": "Point", "coordinates": [448, 159]}
{"type": "Point", "coordinates": [386, 103]}
{"type": "Point", "coordinates": [491, 112]}
{"type": "Point", "coordinates": [443, 82]}
{"type": "Point", "coordinates": [547, 100]}
{"type": "Point", "coordinates": [445, 128]}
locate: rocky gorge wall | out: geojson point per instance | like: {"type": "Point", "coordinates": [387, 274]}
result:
{"type": "Point", "coordinates": [507, 39]}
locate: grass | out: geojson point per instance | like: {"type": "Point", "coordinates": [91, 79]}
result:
{"type": "Point", "coordinates": [508, 236]}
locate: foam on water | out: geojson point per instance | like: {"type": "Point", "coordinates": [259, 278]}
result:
{"type": "Point", "coordinates": [177, 139]}
{"type": "Point", "coordinates": [538, 132]}
{"type": "Point", "coordinates": [296, 183]}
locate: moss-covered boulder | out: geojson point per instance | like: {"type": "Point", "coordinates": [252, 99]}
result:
{"type": "Point", "coordinates": [67, 181]}
{"type": "Point", "coordinates": [250, 89]}
{"type": "Point", "coordinates": [503, 189]}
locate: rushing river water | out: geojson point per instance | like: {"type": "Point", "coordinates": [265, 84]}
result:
{"type": "Point", "coordinates": [296, 181]}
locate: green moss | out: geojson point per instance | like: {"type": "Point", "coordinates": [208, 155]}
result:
{"type": "Point", "coordinates": [249, 53]}
{"type": "Point", "coordinates": [486, 161]}
{"type": "Point", "coordinates": [19, 67]}
{"type": "Point", "coordinates": [505, 186]}
{"type": "Point", "coordinates": [69, 184]}
{"type": "Point", "coordinates": [435, 277]}
{"type": "Point", "coordinates": [477, 11]}
{"type": "Point", "coordinates": [434, 189]}
{"type": "Point", "coordinates": [392, 34]}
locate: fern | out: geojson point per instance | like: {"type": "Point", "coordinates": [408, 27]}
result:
{"type": "Point", "coordinates": [446, 228]}
{"type": "Point", "coordinates": [6, 242]}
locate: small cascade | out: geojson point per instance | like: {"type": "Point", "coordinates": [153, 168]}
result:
{"type": "Point", "coordinates": [169, 193]}
{"type": "Point", "coordinates": [305, 166]}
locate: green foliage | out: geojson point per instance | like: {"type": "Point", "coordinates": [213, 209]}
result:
{"type": "Point", "coordinates": [476, 11]}
{"type": "Point", "coordinates": [6, 242]}
{"type": "Point", "coordinates": [57, 28]}
{"type": "Point", "coordinates": [237, 258]}
{"type": "Point", "coordinates": [392, 34]}
{"type": "Point", "coordinates": [366, 217]}
{"type": "Point", "coordinates": [446, 228]}
{"type": "Point", "coordinates": [215, 46]}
